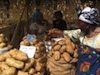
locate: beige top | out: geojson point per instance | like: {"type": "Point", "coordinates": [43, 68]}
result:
{"type": "Point", "coordinates": [93, 42]}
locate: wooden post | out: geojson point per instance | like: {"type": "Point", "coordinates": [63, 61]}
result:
{"type": "Point", "coordinates": [17, 28]}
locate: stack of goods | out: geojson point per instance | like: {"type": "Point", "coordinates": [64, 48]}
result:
{"type": "Point", "coordinates": [3, 41]}
{"type": "Point", "coordinates": [4, 44]}
{"type": "Point", "coordinates": [62, 58]}
{"type": "Point", "coordinates": [25, 42]}
{"type": "Point", "coordinates": [40, 54]}
{"type": "Point", "coordinates": [53, 33]}
{"type": "Point", "coordinates": [16, 62]}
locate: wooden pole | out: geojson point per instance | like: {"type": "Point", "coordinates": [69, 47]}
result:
{"type": "Point", "coordinates": [27, 17]}
{"type": "Point", "coordinates": [17, 28]}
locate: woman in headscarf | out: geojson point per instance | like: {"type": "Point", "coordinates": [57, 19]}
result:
{"type": "Point", "coordinates": [39, 25]}
{"type": "Point", "coordinates": [89, 47]}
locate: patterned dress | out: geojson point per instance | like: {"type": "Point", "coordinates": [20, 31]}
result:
{"type": "Point", "coordinates": [89, 56]}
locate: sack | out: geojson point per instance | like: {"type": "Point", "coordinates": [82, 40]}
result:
{"type": "Point", "coordinates": [60, 67]}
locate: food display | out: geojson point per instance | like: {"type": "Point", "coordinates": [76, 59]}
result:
{"type": "Point", "coordinates": [53, 33]}
{"type": "Point", "coordinates": [65, 49]}
{"type": "Point", "coordinates": [16, 62]}
{"type": "Point", "coordinates": [3, 41]}
{"type": "Point", "coordinates": [62, 57]}
{"type": "Point", "coordinates": [4, 44]}
{"type": "Point", "coordinates": [40, 54]}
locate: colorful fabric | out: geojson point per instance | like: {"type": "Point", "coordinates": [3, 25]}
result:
{"type": "Point", "coordinates": [89, 61]}
{"type": "Point", "coordinates": [89, 57]}
{"type": "Point", "coordinates": [89, 15]}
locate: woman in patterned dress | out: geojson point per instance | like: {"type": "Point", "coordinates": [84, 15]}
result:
{"type": "Point", "coordinates": [89, 47]}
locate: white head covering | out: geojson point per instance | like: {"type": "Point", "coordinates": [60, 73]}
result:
{"type": "Point", "coordinates": [89, 15]}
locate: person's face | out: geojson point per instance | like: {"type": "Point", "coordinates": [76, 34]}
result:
{"type": "Point", "coordinates": [40, 17]}
{"type": "Point", "coordinates": [58, 16]}
{"type": "Point", "coordinates": [83, 26]}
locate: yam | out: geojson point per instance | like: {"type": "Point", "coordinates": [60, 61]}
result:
{"type": "Point", "coordinates": [57, 47]}
{"type": "Point", "coordinates": [15, 63]}
{"type": "Point", "coordinates": [28, 64]}
{"type": "Point", "coordinates": [67, 57]}
{"type": "Point", "coordinates": [38, 66]}
{"type": "Point", "coordinates": [9, 71]}
{"type": "Point", "coordinates": [19, 55]}
{"type": "Point", "coordinates": [22, 73]}
{"type": "Point", "coordinates": [32, 71]}
{"type": "Point", "coordinates": [70, 49]}
{"type": "Point", "coordinates": [56, 55]}
{"type": "Point", "coordinates": [63, 49]}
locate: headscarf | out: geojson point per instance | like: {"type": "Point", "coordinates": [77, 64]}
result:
{"type": "Point", "coordinates": [37, 14]}
{"type": "Point", "coordinates": [88, 15]}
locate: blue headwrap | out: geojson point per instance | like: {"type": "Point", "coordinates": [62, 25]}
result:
{"type": "Point", "coordinates": [36, 15]}
{"type": "Point", "coordinates": [88, 15]}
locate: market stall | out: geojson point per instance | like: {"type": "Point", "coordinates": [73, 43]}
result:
{"type": "Point", "coordinates": [22, 53]}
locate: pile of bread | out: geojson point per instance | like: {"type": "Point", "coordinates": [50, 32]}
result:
{"type": "Point", "coordinates": [16, 62]}
{"type": "Point", "coordinates": [64, 50]}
